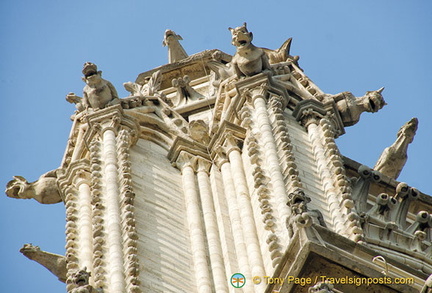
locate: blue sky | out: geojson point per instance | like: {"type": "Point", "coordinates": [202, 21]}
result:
{"type": "Point", "coordinates": [351, 46]}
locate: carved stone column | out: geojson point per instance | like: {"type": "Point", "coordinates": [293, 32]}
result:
{"type": "Point", "coordinates": [84, 220]}
{"type": "Point", "coordinates": [310, 113]}
{"type": "Point", "coordinates": [106, 148]}
{"type": "Point", "coordinates": [185, 162]}
{"type": "Point", "coordinates": [234, 213]}
{"type": "Point", "coordinates": [211, 226]}
{"type": "Point", "coordinates": [271, 155]}
{"type": "Point", "coordinates": [246, 213]}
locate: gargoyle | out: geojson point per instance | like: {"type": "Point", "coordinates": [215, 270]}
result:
{"type": "Point", "coordinates": [281, 54]}
{"type": "Point", "coordinates": [300, 214]}
{"type": "Point", "coordinates": [393, 158]}
{"type": "Point", "coordinates": [175, 49]}
{"type": "Point", "coordinates": [44, 190]}
{"type": "Point", "coordinates": [248, 60]}
{"type": "Point", "coordinates": [350, 107]}
{"type": "Point", "coordinates": [98, 92]}
{"type": "Point", "coordinates": [81, 280]}
{"type": "Point", "coordinates": [55, 263]}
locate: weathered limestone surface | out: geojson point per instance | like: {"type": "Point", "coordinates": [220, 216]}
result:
{"type": "Point", "coordinates": [163, 245]}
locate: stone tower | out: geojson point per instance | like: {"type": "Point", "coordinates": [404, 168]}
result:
{"type": "Point", "coordinates": [221, 173]}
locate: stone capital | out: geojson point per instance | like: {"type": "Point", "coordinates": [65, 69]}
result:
{"type": "Point", "coordinates": [309, 112]}
{"type": "Point", "coordinates": [112, 118]}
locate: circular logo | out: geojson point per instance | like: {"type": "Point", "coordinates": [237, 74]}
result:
{"type": "Point", "coordinates": [238, 280]}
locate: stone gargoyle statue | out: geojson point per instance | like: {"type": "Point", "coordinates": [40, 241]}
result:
{"type": "Point", "coordinates": [81, 280]}
{"type": "Point", "coordinates": [394, 157]}
{"type": "Point", "coordinates": [98, 93]}
{"type": "Point", "coordinates": [248, 60]}
{"type": "Point", "coordinates": [350, 107]}
{"type": "Point", "coordinates": [301, 216]}
{"type": "Point", "coordinates": [44, 190]}
{"type": "Point", "coordinates": [175, 49]}
{"type": "Point", "coordinates": [55, 263]}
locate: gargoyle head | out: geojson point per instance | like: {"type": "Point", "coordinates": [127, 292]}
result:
{"type": "Point", "coordinates": [409, 129]}
{"type": "Point", "coordinates": [374, 101]}
{"type": "Point", "coordinates": [29, 250]}
{"type": "Point", "coordinates": [90, 72]}
{"type": "Point", "coordinates": [81, 278]}
{"type": "Point", "coordinates": [297, 201]}
{"type": "Point", "coordinates": [16, 187]}
{"type": "Point", "coordinates": [241, 37]}
{"type": "Point", "coordinates": [170, 36]}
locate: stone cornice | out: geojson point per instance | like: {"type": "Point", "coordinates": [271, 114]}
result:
{"type": "Point", "coordinates": [70, 176]}
{"type": "Point", "coordinates": [226, 128]}
{"type": "Point", "coordinates": [181, 144]}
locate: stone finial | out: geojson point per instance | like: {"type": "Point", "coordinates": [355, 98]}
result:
{"type": "Point", "coordinates": [98, 92]}
{"type": "Point", "coordinates": [393, 158]}
{"type": "Point", "coordinates": [55, 263]}
{"type": "Point", "coordinates": [44, 190]}
{"type": "Point", "coordinates": [248, 60]}
{"type": "Point", "coordinates": [175, 49]}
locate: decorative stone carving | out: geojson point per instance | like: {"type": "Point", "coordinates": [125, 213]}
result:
{"type": "Point", "coordinates": [360, 188]}
{"type": "Point", "coordinates": [98, 92]}
{"type": "Point", "coordinates": [81, 280]}
{"type": "Point", "coordinates": [185, 93]}
{"type": "Point", "coordinates": [150, 87]}
{"type": "Point", "coordinates": [175, 49]}
{"type": "Point", "coordinates": [248, 59]}
{"type": "Point", "coordinates": [44, 190]}
{"type": "Point", "coordinates": [350, 107]}
{"type": "Point", "coordinates": [55, 263]}
{"type": "Point", "coordinates": [300, 214]}
{"type": "Point", "coordinates": [281, 54]}
{"type": "Point", "coordinates": [393, 158]}
{"type": "Point", "coordinates": [199, 131]}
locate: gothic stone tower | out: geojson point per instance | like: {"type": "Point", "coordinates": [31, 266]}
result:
{"type": "Point", "coordinates": [217, 165]}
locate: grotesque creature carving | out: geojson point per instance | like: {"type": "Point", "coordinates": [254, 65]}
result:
{"type": "Point", "coordinates": [300, 214]}
{"type": "Point", "coordinates": [175, 49]}
{"type": "Point", "coordinates": [393, 158]}
{"type": "Point", "coordinates": [44, 190]}
{"type": "Point", "coordinates": [248, 59]}
{"type": "Point", "coordinates": [81, 281]}
{"type": "Point", "coordinates": [98, 92]}
{"type": "Point", "coordinates": [185, 93]}
{"type": "Point", "coordinates": [55, 263]}
{"type": "Point", "coordinates": [350, 107]}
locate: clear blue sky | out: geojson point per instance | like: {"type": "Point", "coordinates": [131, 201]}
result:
{"type": "Point", "coordinates": [351, 46]}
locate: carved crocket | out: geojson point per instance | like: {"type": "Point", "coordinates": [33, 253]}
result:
{"type": "Point", "coordinates": [44, 190]}
{"type": "Point", "coordinates": [98, 92]}
{"type": "Point", "coordinates": [393, 158]}
{"type": "Point", "coordinates": [55, 263]}
{"type": "Point", "coordinates": [248, 60]}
